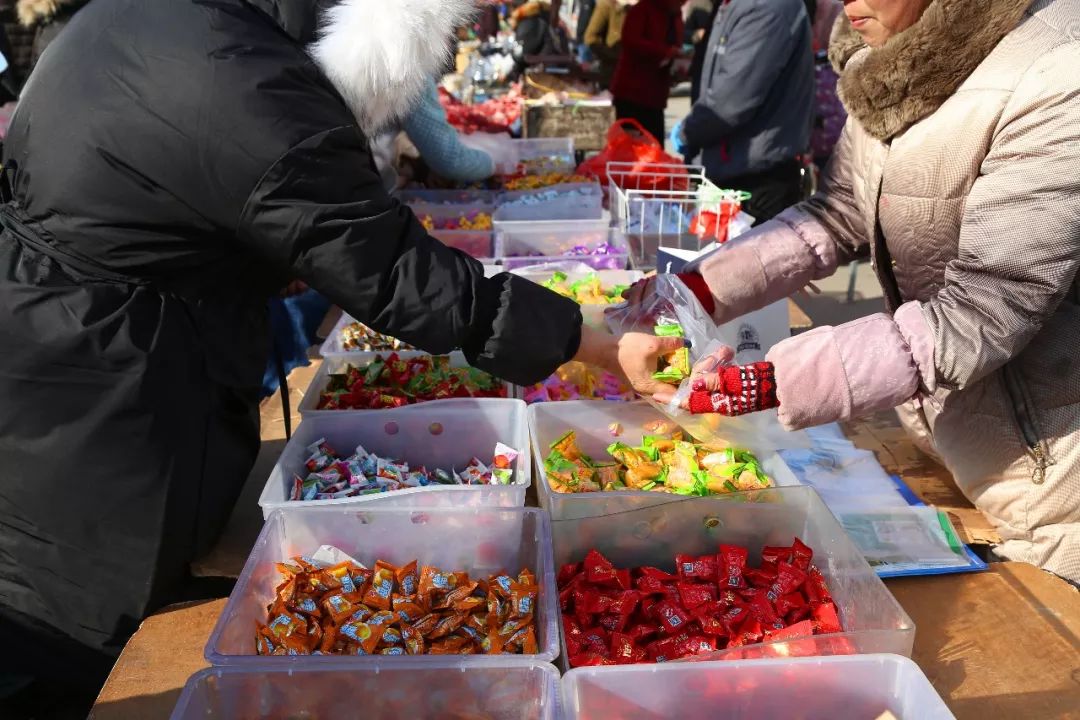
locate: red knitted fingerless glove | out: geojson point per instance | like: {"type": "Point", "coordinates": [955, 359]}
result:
{"type": "Point", "coordinates": [735, 390]}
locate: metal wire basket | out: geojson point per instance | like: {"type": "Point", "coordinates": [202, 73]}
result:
{"type": "Point", "coordinates": [672, 206]}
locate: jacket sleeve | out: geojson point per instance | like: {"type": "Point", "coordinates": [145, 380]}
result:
{"type": "Point", "coordinates": [320, 211]}
{"type": "Point", "coordinates": [1019, 250]}
{"type": "Point", "coordinates": [1020, 235]}
{"type": "Point", "coordinates": [804, 243]}
{"type": "Point", "coordinates": [746, 65]}
{"type": "Point", "coordinates": [635, 36]}
{"type": "Point", "coordinates": [439, 144]}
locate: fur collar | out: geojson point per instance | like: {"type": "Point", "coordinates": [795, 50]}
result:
{"type": "Point", "coordinates": [889, 89]}
{"type": "Point", "coordinates": [36, 12]}
{"type": "Point", "coordinates": [380, 55]}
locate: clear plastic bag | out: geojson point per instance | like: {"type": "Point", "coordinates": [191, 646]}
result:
{"type": "Point", "coordinates": [673, 302]}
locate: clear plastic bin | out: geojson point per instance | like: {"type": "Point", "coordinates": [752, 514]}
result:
{"type": "Point", "coordinates": [854, 688]}
{"type": "Point", "coordinates": [586, 204]}
{"type": "Point", "coordinates": [535, 148]}
{"type": "Point", "coordinates": [592, 420]}
{"type": "Point", "coordinates": [873, 620]}
{"type": "Point", "coordinates": [443, 434]}
{"type": "Point", "coordinates": [520, 245]}
{"type": "Point", "coordinates": [575, 271]}
{"type": "Point", "coordinates": [309, 405]}
{"type": "Point", "coordinates": [593, 315]}
{"type": "Point", "coordinates": [471, 198]}
{"type": "Point", "coordinates": [386, 690]}
{"type": "Point", "coordinates": [479, 244]}
{"type": "Point", "coordinates": [480, 541]}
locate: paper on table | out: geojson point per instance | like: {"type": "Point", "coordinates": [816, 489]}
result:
{"type": "Point", "coordinates": [904, 540]}
{"type": "Point", "coordinates": [845, 477]}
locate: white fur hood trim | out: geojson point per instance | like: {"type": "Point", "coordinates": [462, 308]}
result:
{"type": "Point", "coordinates": [380, 53]}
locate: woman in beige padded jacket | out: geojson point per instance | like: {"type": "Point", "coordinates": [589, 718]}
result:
{"type": "Point", "coordinates": [960, 168]}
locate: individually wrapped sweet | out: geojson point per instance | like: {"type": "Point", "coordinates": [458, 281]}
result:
{"type": "Point", "coordinates": [391, 381]}
{"type": "Point", "coordinates": [663, 463]}
{"type": "Point", "coordinates": [705, 608]}
{"type": "Point", "coordinates": [342, 608]}
{"type": "Point", "coordinates": [365, 474]}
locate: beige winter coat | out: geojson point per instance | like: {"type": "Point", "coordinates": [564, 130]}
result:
{"type": "Point", "coordinates": [960, 167]}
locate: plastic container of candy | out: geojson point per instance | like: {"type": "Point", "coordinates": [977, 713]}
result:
{"type": "Point", "coordinates": [872, 619]}
{"type": "Point", "coordinates": [593, 314]}
{"type": "Point", "coordinates": [443, 434]}
{"type": "Point", "coordinates": [309, 406]}
{"type": "Point", "coordinates": [820, 688]}
{"type": "Point", "coordinates": [560, 151]}
{"type": "Point", "coordinates": [604, 249]}
{"type": "Point", "coordinates": [452, 226]}
{"type": "Point", "coordinates": [479, 541]}
{"type": "Point", "coordinates": [569, 201]}
{"type": "Point", "coordinates": [385, 689]}
{"type": "Point", "coordinates": [458, 198]}
{"type": "Point", "coordinates": [592, 422]}
{"type": "Point", "coordinates": [474, 243]}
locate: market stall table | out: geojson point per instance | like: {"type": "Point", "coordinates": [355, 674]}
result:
{"type": "Point", "coordinates": [999, 644]}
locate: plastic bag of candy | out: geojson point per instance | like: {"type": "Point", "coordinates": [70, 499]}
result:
{"type": "Point", "coordinates": [673, 309]}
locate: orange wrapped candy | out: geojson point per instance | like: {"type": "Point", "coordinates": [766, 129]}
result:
{"type": "Point", "coordinates": [347, 609]}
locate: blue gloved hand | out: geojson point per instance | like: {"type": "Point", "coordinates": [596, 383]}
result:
{"type": "Point", "coordinates": [678, 139]}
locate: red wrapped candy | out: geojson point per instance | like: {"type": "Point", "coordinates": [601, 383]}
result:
{"type": "Point", "coordinates": [712, 603]}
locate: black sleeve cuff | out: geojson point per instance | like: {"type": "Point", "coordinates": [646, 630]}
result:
{"type": "Point", "coordinates": [523, 332]}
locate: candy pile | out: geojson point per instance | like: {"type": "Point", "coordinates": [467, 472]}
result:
{"type": "Point", "coordinates": [393, 382]}
{"type": "Point", "coordinates": [331, 476]}
{"type": "Point", "coordinates": [576, 381]}
{"type": "Point", "coordinates": [496, 115]}
{"type": "Point", "coordinates": [333, 606]}
{"type": "Point", "coordinates": [676, 364]}
{"type": "Point", "coordinates": [472, 220]}
{"type": "Point", "coordinates": [358, 337]}
{"type": "Point", "coordinates": [529, 179]}
{"type": "Point", "coordinates": [661, 463]}
{"type": "Point", "coordinates": [712, 603]}
{"type": "Point", "coordinates": [586, 291]}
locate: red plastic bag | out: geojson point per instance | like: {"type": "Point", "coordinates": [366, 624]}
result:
{"type": "Point", "coordinates": [642, 150]}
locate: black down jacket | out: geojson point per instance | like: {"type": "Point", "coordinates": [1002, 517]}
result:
{"type": "Point", "coordinates": [172, 164]}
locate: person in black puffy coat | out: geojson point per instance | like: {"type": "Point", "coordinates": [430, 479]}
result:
{"type": "Point", "coordinates": [171, 165]}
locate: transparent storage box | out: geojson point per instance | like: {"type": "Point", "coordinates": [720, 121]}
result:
{"type": "Point", "coordinates": [443, 434]}
{"type": "Point", "coordinates": [568, 201]}
{"type": "Point", "coordinates": [559, 150]}
{"type": "Point", "coordinates": [593, 315]}
{"type": "Point", "coordinates": [858, 687]}
{"type": "Point", "coordinates": [478, 244]}
{"type": "Point", "coordinates": [479, 541]}
{"type": "Point", "coordinates": [333, 364]}
{"type": "Point", "coordinates": [523, 244]}
{"type": "Point", "coordinates": [873, 620]}
{"type": "Point", "coordinates": [592, 420]}
{"type": "Point", "coordinates": [463, 198]}
{"type": "Point", "coordinates": [385, 690]}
